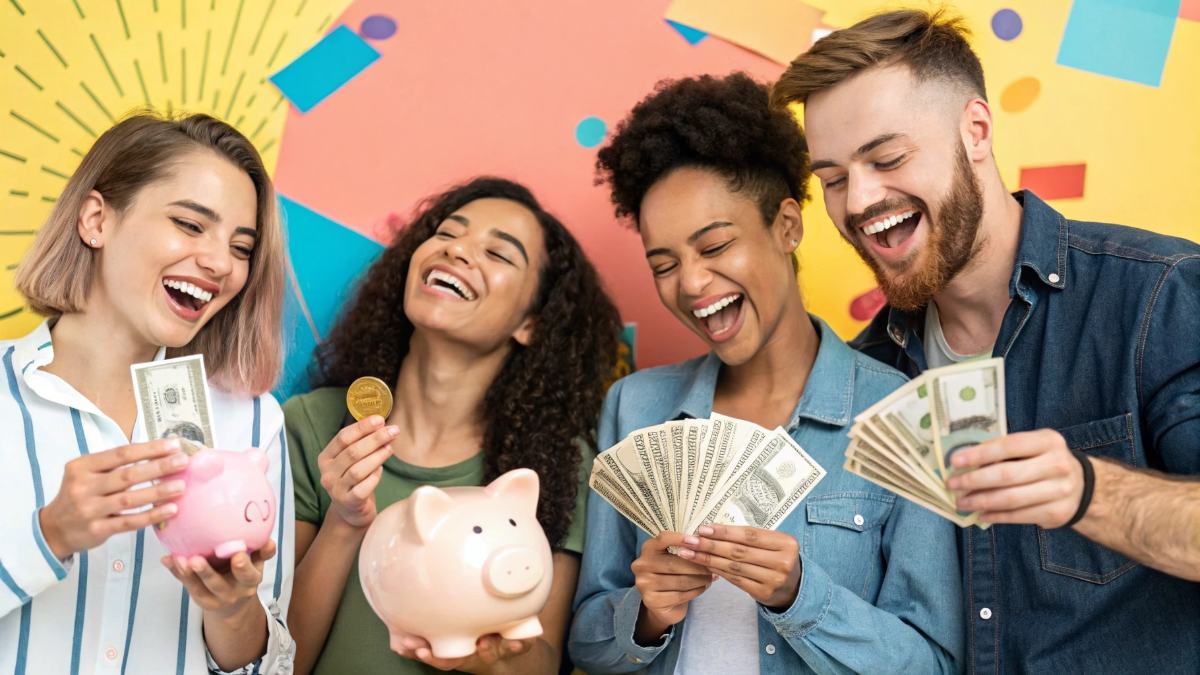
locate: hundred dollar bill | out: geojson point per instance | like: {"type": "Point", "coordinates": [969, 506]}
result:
{"type": "Point", "coordinates": [606, 486]}
{"type": "Point", "coordinates": [771, 485]}
{"type": "Point", "coordinates": [716, 446]}
{"type": "Point", "coordinates": [172, 399]}
{"type": "Point", "coordinates": [625, 460]}
{"type": "Point", "coordinates": [968, 406]}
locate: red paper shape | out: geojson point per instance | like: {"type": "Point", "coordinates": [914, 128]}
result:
{"type": "Point", "coordinates": [1189, 10]}
{"type": "Point", "coordinates": [1064, 181]}
{"type": "Point", "coordinates": [867, 305]}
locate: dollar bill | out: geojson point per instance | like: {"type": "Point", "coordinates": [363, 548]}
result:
{"type": "Point", "coordinates": [172, 399]}
{"type": "Point", "coordinates": [968, 407]}
{"type": "Point", "coordinates": [767, 489]}
{"type": "Point", "coordinates": [607, 487]}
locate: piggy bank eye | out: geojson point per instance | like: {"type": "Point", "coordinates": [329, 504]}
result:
{"type": "Point", "coordinates": [478, 529]}
{"type": "Point", "coordinates": [512, 522]}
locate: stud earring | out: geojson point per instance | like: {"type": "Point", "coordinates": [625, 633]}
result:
{"type": "Point", "coordinates": [93, 242]}
{"type": "Point", "coordinates": [795, 242]}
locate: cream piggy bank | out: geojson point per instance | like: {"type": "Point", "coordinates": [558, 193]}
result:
{"type": "Point", "coordinates": [451, 565]}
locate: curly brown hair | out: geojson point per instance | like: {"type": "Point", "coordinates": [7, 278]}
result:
{"type": "Point", "coordinates": [723, 124]}
{"type": "Point", "coordinates": [544, 405]}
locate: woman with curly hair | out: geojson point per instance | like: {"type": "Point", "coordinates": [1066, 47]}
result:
{"type": "Point", "coordinates": [855, 580]}
{"type": "Point", "coordinates": [495, 331]}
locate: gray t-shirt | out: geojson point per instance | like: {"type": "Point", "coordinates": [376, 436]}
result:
{"type": "Point", "coordinates": [937, 352]}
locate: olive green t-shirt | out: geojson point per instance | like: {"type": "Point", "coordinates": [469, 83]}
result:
{"type": "Point", "coordinates": [358, 640]}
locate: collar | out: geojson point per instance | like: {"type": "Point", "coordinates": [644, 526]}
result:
{"type": "Point", "coordinates": [1042, 248]}
{"type": "Point", "coordinates": [828, 395]}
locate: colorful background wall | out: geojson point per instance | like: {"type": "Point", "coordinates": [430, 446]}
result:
{"type": "Point", "coordinates": [363, 107]}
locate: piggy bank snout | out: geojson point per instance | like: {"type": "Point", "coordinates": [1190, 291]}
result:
{"type": "Point", "coordinates": [512, 572]}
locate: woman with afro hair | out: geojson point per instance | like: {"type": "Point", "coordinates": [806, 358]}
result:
{"type": "Point", "coordinates": [854, 579]}
{"type": "Point", "coordinates": [492, 327]}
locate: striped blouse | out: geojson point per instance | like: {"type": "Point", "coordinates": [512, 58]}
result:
{"type": "Point", "coordinates": [114, 608]}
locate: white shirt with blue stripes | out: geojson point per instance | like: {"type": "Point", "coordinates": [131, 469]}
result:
{"type": "Point", "coordinates": [114, 608]}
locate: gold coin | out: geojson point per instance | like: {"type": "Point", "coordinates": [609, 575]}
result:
{"type": "Point", "coordinates": [369, 396]}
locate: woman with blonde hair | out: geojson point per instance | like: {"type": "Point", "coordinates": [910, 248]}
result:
{"type": "Point", "coordinates": [165, 242]}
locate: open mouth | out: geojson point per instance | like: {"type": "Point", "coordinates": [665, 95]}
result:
{"type": "Point", "coordinates": [448, 284]}
{"type": "Point", "coordinates": [893, 231]}
{"type": "Point", "coordinates": [722, 317]}
{"type": "Point", "coordinates": [187, 299]}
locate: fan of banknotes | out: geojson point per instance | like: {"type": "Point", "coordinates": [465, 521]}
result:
{"type": "Point", "coordinates": [680, 475]}
{"type": "Point", "coordinates": [904, 442]}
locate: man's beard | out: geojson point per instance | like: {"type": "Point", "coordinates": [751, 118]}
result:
{"type": "Point", "coordinates": [952, 241]}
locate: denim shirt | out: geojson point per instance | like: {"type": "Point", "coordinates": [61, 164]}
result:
{"type": "Point", "coordinates": [1102, 342]}
{"type": "Point", "coordinates": [879, 591]}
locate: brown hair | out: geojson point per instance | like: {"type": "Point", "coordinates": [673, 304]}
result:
{"type": "Point", "coordinates": [241, 344]}
{"type": "Point", "coordinates": [932, 44]}
{"type": "Point", "coordinates": [544, 405]}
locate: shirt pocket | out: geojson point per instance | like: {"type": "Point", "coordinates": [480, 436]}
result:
{"type": "Point", "coordinates": [1066, 552]}
{"type": "Point", "coordinates": [844, 534]}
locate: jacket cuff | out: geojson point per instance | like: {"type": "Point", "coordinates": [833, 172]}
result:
{"type": "Point", "coordinates": [812, 602]}
{"type": "Point", "coordinates": [624, 625]}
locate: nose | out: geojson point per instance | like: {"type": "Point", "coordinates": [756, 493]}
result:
{"type": "Point", "coordinates": [863, 189]}
{"type": "Point", "coordinates": [511, 572]}
{"type": "Point", "coordinates": [694, 278]}
{"type": "Point", "coordinates": [459, 249]}
{"type": "Point", "coordinates": [216, 259]}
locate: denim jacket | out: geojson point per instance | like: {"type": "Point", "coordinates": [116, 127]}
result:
{"type": "Point", "coordinates": [879, 591]}
{"type": "Point", "coordinates": [1102, 342]}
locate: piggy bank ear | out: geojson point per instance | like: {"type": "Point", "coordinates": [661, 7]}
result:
{"type": "Point", "coordinates": [206, 464]}
{"type": "Point", "coordinates": [520, 485]}
{"type": "Point", "coordinates": [259, 459]}
{"type": "Point", "coordinates": [430, 506]}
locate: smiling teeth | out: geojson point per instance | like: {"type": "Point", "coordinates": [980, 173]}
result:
{"type": "Point", "coordinates": [438, 275]}
{"type": "Point", "coordinates": [716, 306]}
{"type": "Point", "coordinates": [887, 223]}
{"type": "Point", "coordinates": [191, 289]}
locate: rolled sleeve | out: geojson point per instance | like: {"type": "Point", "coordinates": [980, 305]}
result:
{"type": "Point", "coordinates": [1169, 371]}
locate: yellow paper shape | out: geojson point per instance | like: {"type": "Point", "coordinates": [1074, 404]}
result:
{"type": "Point", "coordinates": [778, 29]}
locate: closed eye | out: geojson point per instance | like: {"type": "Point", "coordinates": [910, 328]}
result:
{"type": "Point", "coordinates": [890, 164]}
{"type": "Point", "coordinates": [498, 256]}
{"type": "Point", "coordinates": [834, 182]}
{"type": "Point", "coordinates": [188, 225]}
{"type": "Point", "coordinates": [716, 249]}
{"type": "Point", "coordinates": [664, 269]}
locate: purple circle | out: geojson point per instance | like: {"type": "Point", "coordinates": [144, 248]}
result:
{"type": "Point", "coordinates": [1006, 24]}
{"type": "Point", "coordinates": [377, 27]}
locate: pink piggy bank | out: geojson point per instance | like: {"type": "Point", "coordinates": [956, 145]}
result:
{"type": "Point", "coordinates": [226, 507]}
{"type": "Point", "coordinates": [451, 565]}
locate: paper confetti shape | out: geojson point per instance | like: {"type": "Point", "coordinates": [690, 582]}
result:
{"type": "Point", "coordinates": [1064, 181]}
{"type": "Point", "coordinates": [1125, 39]}
{"type": "Point", "coordinates": [327, 260]}
{"type": "Point", "coordinates": [693, 36]}
{"type": "Point", "coordinates": [324, 68]}
{"type": "Point", "coordinates": [778, 29]}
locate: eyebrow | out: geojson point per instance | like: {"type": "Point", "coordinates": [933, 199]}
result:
{"type": "Point", "coordinates": [862, 150]}
{"type": "Point", "coordinates": [198, 208]}
{"type": "Point", "coordinates": [715, 225]}
{"type": "Point", "coordinates": [499, 234]}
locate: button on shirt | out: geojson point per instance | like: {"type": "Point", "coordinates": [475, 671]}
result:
{"type": "Point", "coordinates": [114, 608]}
{"type": "Point", "coordinates": [1100, 342]}
{"type": "Point", "coordinates": [873, 596]}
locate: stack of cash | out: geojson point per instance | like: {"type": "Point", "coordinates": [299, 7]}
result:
{"type": "Point", "coordinates": [904, 442]}
{"type": "Point", "coordinates": [680, 475]}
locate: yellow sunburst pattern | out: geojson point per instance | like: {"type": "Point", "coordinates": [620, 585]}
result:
{"type": "Point", "coordinates": [69, 69]}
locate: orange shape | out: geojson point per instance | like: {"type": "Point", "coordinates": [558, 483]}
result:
{"type": "Point", "coordinates": [1020, 94]}
{"type": "Point", "coordinates": [1064, 181]}
{"type": "Point", "coordinates": [1190, 10]}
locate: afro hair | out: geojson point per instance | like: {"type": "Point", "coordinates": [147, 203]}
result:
{"type": "Point", "coordinates": [720, 123]}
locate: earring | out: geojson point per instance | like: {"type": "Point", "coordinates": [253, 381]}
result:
{"type": "Point", "coordinates": [93, 242]}
{"type": "Point", "coordinates": [795, 242]}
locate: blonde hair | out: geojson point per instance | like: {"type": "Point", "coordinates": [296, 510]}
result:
{"type": "Point", "coordinates": [241, 344]}
{"type": "Point", "coordinates": [932, 44]}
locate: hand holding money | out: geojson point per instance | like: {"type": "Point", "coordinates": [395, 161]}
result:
{"type": "Point", "coordinates": [667, 583]}
{"type": "Point", "coordinates": [99, 490]}
{"type": "Point", "coordinates": [1029, 478]}
{"type": "Point", "coordinates": [910, 442]}
{"type": "Point", "coordinates": [764, 563]}
{"type": "Point", "coordinates": [351, 466]}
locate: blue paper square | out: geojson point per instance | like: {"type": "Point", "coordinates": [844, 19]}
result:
{"type": "Point", "coordinates": [1125, 39]}
{"type": "Point", "coordinates": [324, 68]}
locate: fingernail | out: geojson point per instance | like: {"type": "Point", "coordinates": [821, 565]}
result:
{"type": "Point", "coordinates": [181, 562]}
{"type": "Point", "coordinates": [170, 509]}
{"type": "Point", "coordinates": [965, 504]}
{"type": "Point", "coordinates": [393, 430]}
{"type": "Point", "coordinates": [172, 444]}
{"type": "Point", "coordinates": [174, 486]}
{"type": "Point", "coordinates": [376, 421]}
{"type": "Point", "coordinates": [178, 461]}
{"type": "Point", "coordinates": [958, 459]}
{"type": "Point", "coordinates": [954, 483]}
{"type": "Point", "coordinates": [691, 541]}
{"type": "Point", "coordinates": [705, 530]}
{"type": "Point", "coordinates": [686, 553]}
